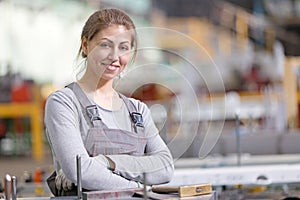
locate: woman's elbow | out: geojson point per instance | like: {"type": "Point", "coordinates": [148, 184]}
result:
{"type": "Point", "coordinates": [165, 175]}
{"type": "Point", "coordinates": [169, 175]}
{"type": "Point", "coordinates": [169, 169]}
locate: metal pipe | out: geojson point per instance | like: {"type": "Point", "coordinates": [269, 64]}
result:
{"type": "Point", "coordinates": [145, 186]}
{"type": "Point", "coordinates": [238, 139]}
{"type": "Point", "coordinates": [14, 188]}
{"type": "Point", "coordinates": [7, 186]}
{"type": "Point", "coordinates": [79, 187]}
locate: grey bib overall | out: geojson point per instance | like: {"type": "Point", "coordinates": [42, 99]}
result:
{"type": "Point", "coordinates": [102, 140]}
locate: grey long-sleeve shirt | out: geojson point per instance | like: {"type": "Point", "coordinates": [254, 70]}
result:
{"type": "Point", "coordinates": [66, 129]}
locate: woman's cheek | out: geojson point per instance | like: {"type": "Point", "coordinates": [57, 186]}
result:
{"type": "Point", "coordinates": [92, 60]}
{"type": "Point", "coordinates": [125, 59]}
{"type": "Point", "coordinates": [96, 64]}
{"type": "Point", "coordinates": [98, 56]}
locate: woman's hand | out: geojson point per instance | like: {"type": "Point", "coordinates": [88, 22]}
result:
{"type": "Point", "coordinates": [62, 183]}
{"type": "Point", "coordinates": [112, 165]}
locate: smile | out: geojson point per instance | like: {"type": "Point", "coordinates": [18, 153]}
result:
{"type": "Point", "coordinates": [112, 67]}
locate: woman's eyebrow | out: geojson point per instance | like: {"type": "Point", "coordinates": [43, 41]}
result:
{"type": "Point", "coordinates": [107, 40]}
{"type": "Point", "coordinates": [110, 41]}
{"type": "Point", "coordinates": [125, 42]}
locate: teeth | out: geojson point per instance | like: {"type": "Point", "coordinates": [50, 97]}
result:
{"type": "Point", "coordinates": [111, 67]}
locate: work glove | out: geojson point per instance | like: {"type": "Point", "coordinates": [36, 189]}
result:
{"type": "Point", "coordinates": [62, 183]}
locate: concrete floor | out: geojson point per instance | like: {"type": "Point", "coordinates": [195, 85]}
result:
{"type": "Point", "coordinates": [17, 165]}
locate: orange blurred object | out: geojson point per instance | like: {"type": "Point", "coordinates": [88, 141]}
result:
{"type": "Point", "coordinates": [21, 92]}
{"type": "Point", "coordinates": [38, 175]}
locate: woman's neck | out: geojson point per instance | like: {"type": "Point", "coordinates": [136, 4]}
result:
{"type": "Point", "coordinates": [93, 84]}
{"type": "Point", "coordinates": [101, 92]}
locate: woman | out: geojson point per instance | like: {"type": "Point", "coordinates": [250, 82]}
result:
{"type": "Point", "coordinates": [114, 135]}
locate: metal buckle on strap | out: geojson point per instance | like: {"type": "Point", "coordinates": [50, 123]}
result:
{"type": "Point", "coordinates": [92, 112]}
{"type": "Point", "coordinates": [137, 119]}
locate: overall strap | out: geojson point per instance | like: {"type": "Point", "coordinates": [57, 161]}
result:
{"type": "Point", "coordinates": [91, 113]}
{"type": "Point", "coordinates": [136, 117]}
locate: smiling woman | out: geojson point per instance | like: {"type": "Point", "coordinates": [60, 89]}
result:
{"type": "Point", "coordinates": [108, 53]}
{"type": "Point", "coordinates": [114, 135]}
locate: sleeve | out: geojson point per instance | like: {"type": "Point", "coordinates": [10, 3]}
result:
{"type": "Point", "coordinates": [63, 132]}
{"type": "Point", "coordinates": [157, 163]}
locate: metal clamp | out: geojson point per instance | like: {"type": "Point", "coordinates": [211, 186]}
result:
{"type": "Point", "coordinates": [93, 113]}
{"type": "Point", "coordinates": [137, 119]}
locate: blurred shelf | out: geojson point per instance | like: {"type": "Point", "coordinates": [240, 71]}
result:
{"type": "Point", "coordinates": [34, 111]}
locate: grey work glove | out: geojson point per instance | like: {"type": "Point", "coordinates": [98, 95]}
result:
{"type": "Point", "coordinates": [61, 181]}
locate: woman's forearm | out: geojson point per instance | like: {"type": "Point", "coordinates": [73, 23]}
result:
{"type": "Point", "coordinates": [158, 168]}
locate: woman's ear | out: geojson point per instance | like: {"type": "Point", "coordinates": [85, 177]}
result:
{"type": "Point", "coordinates": [84, 46]}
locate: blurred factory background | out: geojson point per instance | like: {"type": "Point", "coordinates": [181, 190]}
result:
{"type": "Point", "coordinates": [223, 77]}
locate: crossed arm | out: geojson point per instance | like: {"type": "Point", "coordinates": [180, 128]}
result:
{"type": "Point", "coordinates": [66, 135]}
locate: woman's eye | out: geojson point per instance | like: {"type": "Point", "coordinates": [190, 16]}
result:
{"type": "Point", "coordinates": [105, 45]}
{"type": "Point", "coordinates": [124, 48]}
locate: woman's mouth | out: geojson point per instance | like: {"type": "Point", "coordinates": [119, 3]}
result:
{"type": "Point", "coordinates": [112, 68]}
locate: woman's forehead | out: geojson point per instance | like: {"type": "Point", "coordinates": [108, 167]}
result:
{"type": "Point", "coordinates": [114, 32]}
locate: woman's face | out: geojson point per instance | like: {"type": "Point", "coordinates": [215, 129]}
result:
{"type": "Point", "coordinates": [108, 52]}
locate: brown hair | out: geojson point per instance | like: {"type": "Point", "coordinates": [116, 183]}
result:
{"type": "Point", "coordinates": [104, 18]}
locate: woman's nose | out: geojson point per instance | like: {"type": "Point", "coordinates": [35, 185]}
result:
{"type": "Point", "coordinates": [114, 54]}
